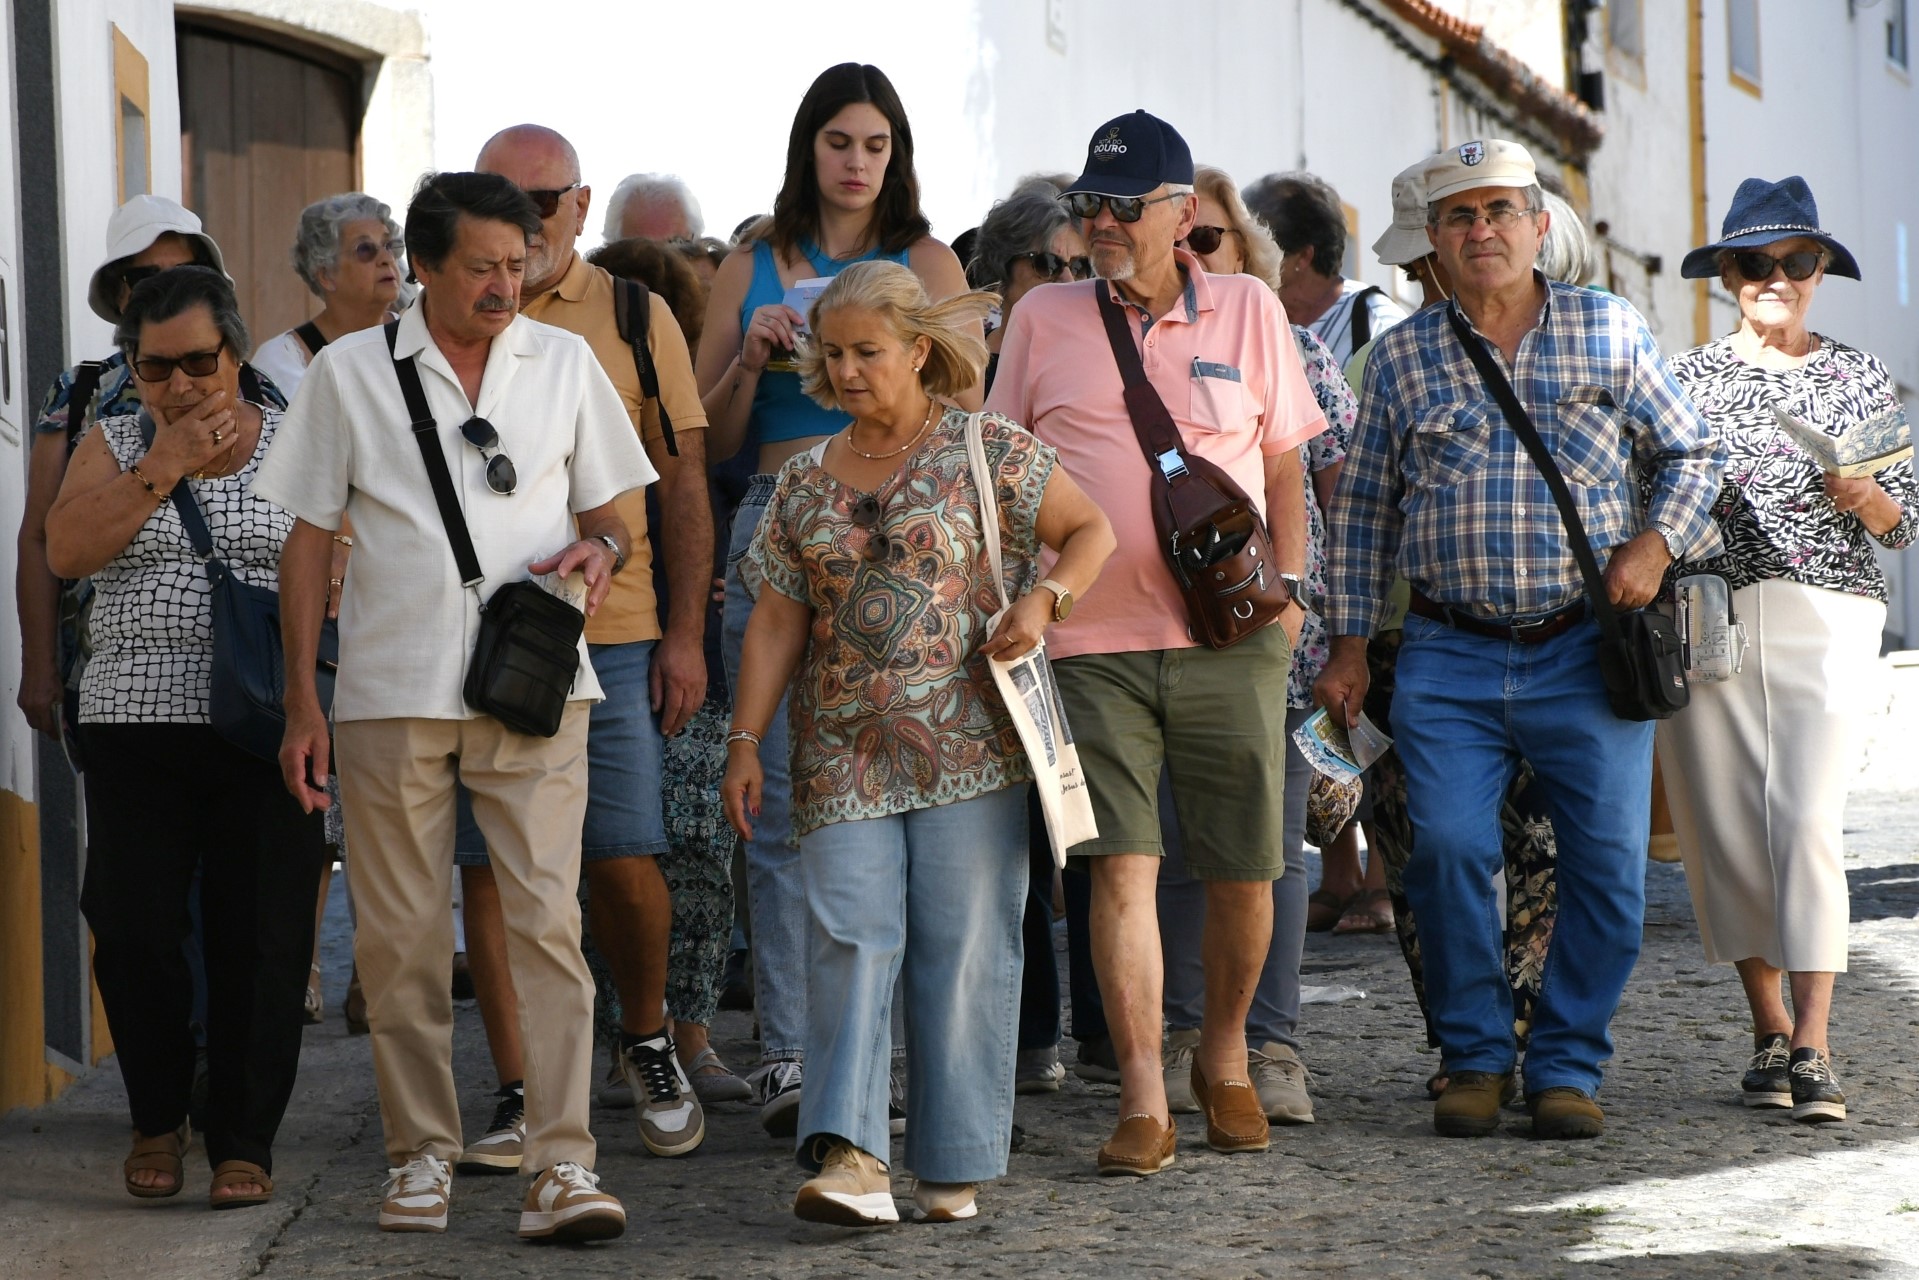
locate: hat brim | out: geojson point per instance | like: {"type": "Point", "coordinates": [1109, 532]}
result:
{"type": "Point", "coordinates": [1703, 263]}
{"type": "Point", "coordinates": [103, 290]}
{"type": "Point", "coordinates": [1401, 246]}
{"type": "Point", "coordinates": [1108, 185]}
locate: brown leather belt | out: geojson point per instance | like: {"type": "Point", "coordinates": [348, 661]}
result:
{"type": "Point", "coordinates": [1522, 631]}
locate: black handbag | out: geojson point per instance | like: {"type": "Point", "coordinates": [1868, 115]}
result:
{"type": "Point", "coordinates": [528, 652]}
{"type": "Point", "coordinates": [1641, 658]}
{"type": "Point", "coordinates": [248, 695]}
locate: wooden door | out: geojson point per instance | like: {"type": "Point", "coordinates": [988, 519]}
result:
{"type": "Point", "coordinates": [265, 130]}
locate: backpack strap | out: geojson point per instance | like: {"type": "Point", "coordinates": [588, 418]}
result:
{"type": "Point", "coordinates": [1363, 315]}
{"type": "Point", "coordinates": [310, 335]}
{"type": "Point", "coordinates": [86, 384]}
{"type": "Point", "coordinates": [631, 311]}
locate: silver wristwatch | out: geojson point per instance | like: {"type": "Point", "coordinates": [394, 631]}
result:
{"type": "Point", "coordinates": [613, 545]}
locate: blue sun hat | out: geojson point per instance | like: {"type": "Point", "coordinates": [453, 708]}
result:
{"type": "Point", "coordinates": [1761, 213]}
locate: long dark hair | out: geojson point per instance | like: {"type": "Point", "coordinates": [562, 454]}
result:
{"type": "Point", "coordinates": [897, 220]}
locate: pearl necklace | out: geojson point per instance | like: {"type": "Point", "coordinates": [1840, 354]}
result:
{"type": "Point", "coordinates": [881, 457]}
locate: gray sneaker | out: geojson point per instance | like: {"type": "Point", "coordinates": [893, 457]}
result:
{"type": "Point", "coordinates": [1176, 1063]}
{"type": "Point", "coordinates": [1038, 1070]}
{"type": "Point", "coordinates": [671, 1121]}
{"type": "Point", "coordinates": [1281, 1079]}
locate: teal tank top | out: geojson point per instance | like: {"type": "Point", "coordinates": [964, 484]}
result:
{"type": "Point", "coordinates": [781, 411]}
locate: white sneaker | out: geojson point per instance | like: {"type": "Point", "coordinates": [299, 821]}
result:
{"type": "Point", "coordinates": [416, 1196]}
{"type": "Point", "coordinates": [566, 1203]}
{"type": "Point", "coordinates": [671, 1121]}
{"type": "Point", "coordinates": [499, 1149]}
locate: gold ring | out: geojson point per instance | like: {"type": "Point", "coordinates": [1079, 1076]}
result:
{"type": "Point", "coordinates": [335, 581]}
{"type": "Point", "coordinates": [216, 435]}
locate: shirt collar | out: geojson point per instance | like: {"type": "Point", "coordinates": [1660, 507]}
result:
{"type": "Point", "coordinates": [574, 284]}
{"type": "Point", "coordinates": [1539, 321]}
{"type": "Point", "coordinates": [413, 339]}
{"type": "Point", "coordinates": [1198, 295]}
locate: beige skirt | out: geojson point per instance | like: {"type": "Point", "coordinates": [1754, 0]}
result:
{"type": "Point", "coordinates": [1757, 770]}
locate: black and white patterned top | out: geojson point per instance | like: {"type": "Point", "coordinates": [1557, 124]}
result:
{"type": "Point", "coordinates": [1773, 512]}
{"type": "Point", "coordinates": [152, 621]}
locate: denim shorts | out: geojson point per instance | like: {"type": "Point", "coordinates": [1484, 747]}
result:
{"type": "Point", "coordinates": [625, 757]}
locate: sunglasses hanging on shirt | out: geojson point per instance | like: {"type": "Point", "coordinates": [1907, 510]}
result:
{"type": "Point", "coordinates": [500, 475]}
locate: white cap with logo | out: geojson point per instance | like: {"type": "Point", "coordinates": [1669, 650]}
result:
{"type": "Point", "coordinates": [1490, 162]}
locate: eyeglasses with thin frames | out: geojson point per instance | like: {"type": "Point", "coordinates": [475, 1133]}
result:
{"type": "Point", "coordinates": [500, 475]}
{"type": "Point", "coordinates": [1757, 268]}
{"type": "Point", "coordinates": [195, 364]}
{"type": "Point", "coordinates": [370, 250]}
{"type": "Point", "coordinates": [866, 515]}
{"type": "Point", "coordinates": [1500, 217]}
{"type": "Point", "coordinates": [1085, 204]}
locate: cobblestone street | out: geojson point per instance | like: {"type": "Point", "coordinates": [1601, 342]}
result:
{"type": "Point", "coordinates": [1685, 1183]}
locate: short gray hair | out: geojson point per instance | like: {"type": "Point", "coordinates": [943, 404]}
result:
{"type": "Point", "coordinates": [174, 292]}
{"type": "Point", "coordinates": [316, 246]}
{"type": "Point", "coordinates": [1567, 254]}
{"type": "Point", "coordinates": [1022, 223]}
{"type": "Point", "coordinates": [652, 186]}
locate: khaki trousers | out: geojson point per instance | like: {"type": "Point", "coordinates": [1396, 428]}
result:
{"type": "Point", "coordinates": [529, 798]}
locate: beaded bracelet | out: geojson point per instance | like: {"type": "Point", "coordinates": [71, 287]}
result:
{"type": "Point", "coordinates": [138, 475]}
{"type": "Point", "coordinates": [742, 735]}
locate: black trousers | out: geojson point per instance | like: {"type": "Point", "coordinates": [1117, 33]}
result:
{"type": "Point", "coordinates": [1039, 979]}
{"type": "Point", "coordinates": [161, 800]}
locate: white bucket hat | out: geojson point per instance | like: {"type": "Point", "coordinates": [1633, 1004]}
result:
{"type": "Point", "coordinates": [134, 227]}
{"type": "Point", "coordinates": [1406, 240]}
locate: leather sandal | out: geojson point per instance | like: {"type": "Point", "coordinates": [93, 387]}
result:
{"type": "Point", "coordinates": [1371, 911]}
{"type": "Point", "coordinates": [229, 1173]}
{"type": "Point", "coordinates": [1323, 910]}
{"type": "Point", "coordinates": [163, 1154]}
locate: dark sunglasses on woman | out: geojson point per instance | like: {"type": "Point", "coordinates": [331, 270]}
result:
{"type": "Point", "coordinates": [1048, 265]}
{"type": "Point", "coordinates": [1756, 267]}
{"type": "Point", "coordinates": [866, 515]}
{"type": "Point", "coordinates": [1085, 204]}
{"type": "Point", "coordinates": [1206, 239]}
{"type": "Point", "coordinates": [500, 475]}
{"type": "Point", "coordinates": [195, 364]}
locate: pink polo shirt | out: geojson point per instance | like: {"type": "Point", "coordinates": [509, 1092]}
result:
{"type": "Point", "coordinates": [1223, 360]}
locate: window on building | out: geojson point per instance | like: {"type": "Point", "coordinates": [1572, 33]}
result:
{"type": "Point", "coordinates": [1898, 50]}
{"type": "Point", "coordinates": [1626, 27]}
{"type": "Point", "coordinates": [132, 138]}
{"type": "Point", "coordinates": [1742, 43]}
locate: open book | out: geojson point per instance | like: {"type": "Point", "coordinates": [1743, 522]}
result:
{"type": "Point", "coordinates": [1863, 448]}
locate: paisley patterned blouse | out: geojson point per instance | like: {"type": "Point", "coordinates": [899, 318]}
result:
{"type": "Point", "coordinates": [893, 709]}
{"type": "Point", "coordinates": [1328, 448]}
{"type": "Point", "coordinates": [1773, 513]}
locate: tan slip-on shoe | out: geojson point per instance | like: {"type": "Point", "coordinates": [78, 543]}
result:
{"type": "Point", "coordinates": [1470, 1106]}
{"type": "Point", "coordinates": [1139, 1147]}
{"type": "Point", "coordinates": [1234, 1119]}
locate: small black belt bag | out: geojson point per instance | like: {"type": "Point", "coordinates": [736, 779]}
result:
{"type": "Point", "coordinates": [1219, 549]}
{"type": "Point", "coordinates": [1641, 658]}
{"type": "Point", "coordinates": [528, 653]}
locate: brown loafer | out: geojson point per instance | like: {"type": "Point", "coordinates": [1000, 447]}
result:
{"type": "Point", "coordinates": [1470, 1106]}
{"type": "Point", "coordinates": [1234, 1119]}
{"type": "Point", "coordinates": [1565, 1112]}
{"type": "Point", "coordinates": [1140, 1146]}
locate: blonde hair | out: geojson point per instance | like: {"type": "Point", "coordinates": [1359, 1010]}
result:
{"type": "Point", "coordinates": [1255, 241]}
{"type": "Point", "coordinates": [887, 289]}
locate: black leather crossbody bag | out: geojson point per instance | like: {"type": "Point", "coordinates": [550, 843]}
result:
{"type": "Point", "coordinates": [1641, 658]}
{"type": "Point", "coordinates": [528, 651]}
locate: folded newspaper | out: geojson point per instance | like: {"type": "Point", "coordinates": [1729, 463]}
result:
{"type": "Point", "coordinates": [1339, 754]}
{"type": "Point", "coordinates": [1862, 448]}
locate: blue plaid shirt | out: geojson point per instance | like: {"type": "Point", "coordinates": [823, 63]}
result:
{"type": "Point", "coordinates": [1437, 482]}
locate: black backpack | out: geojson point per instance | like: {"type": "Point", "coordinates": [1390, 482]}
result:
{"type": "Point", "coordinates": [631, 310]}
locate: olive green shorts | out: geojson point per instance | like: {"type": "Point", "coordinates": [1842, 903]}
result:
{"type": "Point", "coordinates": [1216, 720]}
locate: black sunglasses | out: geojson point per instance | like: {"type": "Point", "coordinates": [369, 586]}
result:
{"type": "Point", "coordinates": [131, 276]}
{"type": "Point", "coordinates": [548, 202]}
{"type": "Point", "coordinates": [195, 364]}
{"type": "Point", "coordinates": [866, 515]}
{"type": "Point", "coordinates": [1085, 204]}
{"type": "Point", "coordinates": [1206, 239]}
{"type": "Point", "coordinates": [1755, 266]}
{"type": "Point", "coordinates": [500, 475]}
{"type": "Point", "coordinates": [1048, 265]}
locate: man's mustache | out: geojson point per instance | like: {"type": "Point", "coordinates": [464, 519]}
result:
{"type": "Point", "coordinates": [494, 302]}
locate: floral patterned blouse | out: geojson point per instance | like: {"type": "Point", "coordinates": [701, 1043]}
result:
{"type": "Point", "coordinates": [893, 709]}
{"type": "Point", "coordinates": [1772, 511]}
{"type": "Point", "coordinates": [1328, 448]}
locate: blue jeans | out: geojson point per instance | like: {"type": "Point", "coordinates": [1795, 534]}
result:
{"type": "Point", "coordinates": [625, 758]}
{"type": "Point", "coordinates": [932, 897]}
{"type": "Point", "coordinates": [1466, 710]}
{"type": "Point", "coordinates": [774, 900]}
{"type": "Point", "coordinates": [1274, 1016]}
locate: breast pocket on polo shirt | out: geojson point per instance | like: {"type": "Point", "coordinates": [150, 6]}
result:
{"type": "Point", "coordinates": [1590, 440]}
{"type": "Point", "coordinates": [1219, 400]}
{"type": "Point", "coordinates": [1448, 445]}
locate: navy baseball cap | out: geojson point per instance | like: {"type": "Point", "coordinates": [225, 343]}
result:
{"type": "Point", "coordinates": [1133, 154]}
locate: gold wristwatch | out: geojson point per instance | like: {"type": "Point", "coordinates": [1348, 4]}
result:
{"type": "Point", "coordinates": [1062, 599]}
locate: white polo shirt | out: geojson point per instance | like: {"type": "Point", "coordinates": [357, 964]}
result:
{"type": "Point", "coordinates": [346, 447]}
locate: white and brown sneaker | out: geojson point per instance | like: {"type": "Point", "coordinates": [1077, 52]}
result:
{"type": "Point", "coordinates": [566, 1203]}
{"type": "Point", "coordinates": [417, 1194]}
{"type": "Point", "coordinates": [498, 1150]}
{"type": "Point", "coordinates": [852, 1188]}
{"type": "Point", "coordinates": [944, 1201]}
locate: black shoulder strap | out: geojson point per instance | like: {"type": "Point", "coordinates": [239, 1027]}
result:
{"type": "Point", "coordinates": [1363, 315]}
{"type": "Point", "coordinates": [86, 383]}
{"type": "Point", "coordinates": [309, 333]}
{"type": "Point", "coordinates": [427, 432]}
{"type": "Point", "coordinates": [632, 309]}
{"type": "Point", "coordinates": [1158, 433]}
{"type": "Point", "coordinates": [183, 502]}
{"type": "Point", "coordinates": [1522, 425]}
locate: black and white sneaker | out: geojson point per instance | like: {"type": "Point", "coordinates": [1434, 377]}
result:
{"type": "Point", "coordinates": [671, 1121]}
{"type": "Point", "coordinates": [896, 1096]}
{"type": "Point", "coordinates": [500, 1148]}
{"type": "Point", "coordinates": [777, 1090]}
{"type": "Point", "coordinates": [1767, 1082]}
{"type": "Point", "coordinates": [1816, 1095]}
